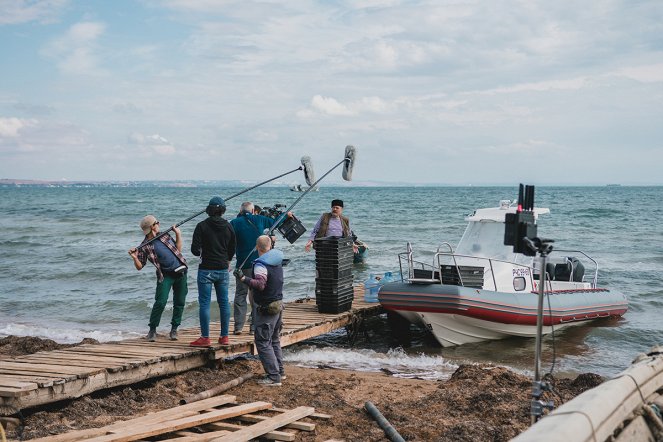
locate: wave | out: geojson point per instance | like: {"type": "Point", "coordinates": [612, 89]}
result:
{"type": "Point", "coordinates": [65, 336]}
{"type": "Point", "coordinates": [395, 362]}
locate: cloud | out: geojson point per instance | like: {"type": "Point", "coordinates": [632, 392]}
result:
{"type": "Point", "coordinates": [150, 144]}
{"type": "Point", "coordinates": [652, 73]}
{"type": "Point", "coordinates": [10, 127]}
{"type": "Point", "coordinates": [77, 50]}
{"type": "Point", "coordinates": [13, 12]}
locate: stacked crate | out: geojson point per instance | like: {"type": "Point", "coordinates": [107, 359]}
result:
{"type": "Point", "coordinates": [333, 268]}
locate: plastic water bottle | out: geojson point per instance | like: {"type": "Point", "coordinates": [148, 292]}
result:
{"type": "Point", "coordinates": [387, 278]}
{"type": "Point", "coordinates": [371, 287]}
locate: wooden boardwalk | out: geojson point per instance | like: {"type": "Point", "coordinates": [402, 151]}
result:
{"type": "Point", "coordinates": [45, 377]}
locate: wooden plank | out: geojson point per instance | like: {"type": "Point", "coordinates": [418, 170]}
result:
{"type": "Point", "coordinates": [271, 424]}
{"type": "Point", "coordinates": [197, 437]}
{"type": "Point", "coordinates": [22, 385]}
{"type": "Point", "coordinates": [39, 380]}
{"type": "Point", "coordinates": [159, 416]}
{"type": "Point", "coordinates": [304, 426]}
{"type": "Point", "coordinates": [44, 368]}
{"type": "Point", "coordinates": [136, 432]}
{"type": "Point", "coordinates": [64, 376]}
{"type": "Point", "coordinates": [272, 435]}
{"type": "Point", "coordinates": [315, 415]}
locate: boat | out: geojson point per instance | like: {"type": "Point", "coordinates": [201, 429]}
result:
{"type": "Point", "coordinates": [362, 252]}
{"type": "Point", "coordinates": [482, 290]}
{"type": "Point", "coordinates": [299, 188]}
{"type": "Point", "coordinates": [623, 409]}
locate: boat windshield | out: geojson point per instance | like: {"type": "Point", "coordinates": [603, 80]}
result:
{"type": "Point", "coordinates": [485, 239]}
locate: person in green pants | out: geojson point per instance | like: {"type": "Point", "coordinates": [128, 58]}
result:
{"type": "Point", "coordinates": [166, 255]}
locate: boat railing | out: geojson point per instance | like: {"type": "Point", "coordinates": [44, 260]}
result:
{"type": "Point", "coordinates": [594, 282]}
{"type": "Point", "coordinates": [489, 268]}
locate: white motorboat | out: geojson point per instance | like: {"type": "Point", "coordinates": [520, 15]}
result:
{"type": "Point", "coordinates": [482, 290]}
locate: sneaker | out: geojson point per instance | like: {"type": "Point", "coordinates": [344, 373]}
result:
{"type": "Point", "coordinates": [237, 332]}
{"type": "Point", "coordinates": [201, 342]}
{"type": "Point", "coordinates": [224, 340]}
{"type": "Point", "coordinates": [152, 335]}
{"type": "Point", "coordinates": [173, 334]}
{"type": "Point", "coordinates": [268, 382]}
{"type": "Point", "coordinates": [283, 377]}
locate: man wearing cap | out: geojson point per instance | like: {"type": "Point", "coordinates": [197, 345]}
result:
{"type": "Point", "coordinates": [331, 224]}
{"type": "Point", "coordinates": [214, 241]}
{"type": "Point", "coordinates": [166, 255]}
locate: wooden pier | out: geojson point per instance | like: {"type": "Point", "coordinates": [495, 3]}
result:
{"type": "Point", "coordinates": [46, 377]}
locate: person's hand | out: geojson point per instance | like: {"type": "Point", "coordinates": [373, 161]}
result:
{"type": "Point", "coordinates": [176, 230]}
{"type": "Point", "coordinates": [238, 274]}
{"type": "Point", "coordinates": [133, 252]}
{"type": "Point", "coordinates": [307, 247]}
{"type": "Point", "coordinates": [290, 214]}
{"type": "Point", "coordinates": [355, 248]}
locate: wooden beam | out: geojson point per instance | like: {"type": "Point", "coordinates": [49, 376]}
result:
{"type": "Point", "coordinates": [263, 427]}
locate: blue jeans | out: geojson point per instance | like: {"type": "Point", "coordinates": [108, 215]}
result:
{"type": "Point", "coordinates": [218, 279]}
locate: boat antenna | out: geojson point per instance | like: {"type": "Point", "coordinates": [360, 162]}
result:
{"type": "Point", "coordinates": [307, 167]}
{"type": "Point", "coordinates": [520, 232]}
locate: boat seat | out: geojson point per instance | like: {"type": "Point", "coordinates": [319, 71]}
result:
{"type": "Point", "coordinates": [550, 270]}
{"type": "Point", "coordinates": [423, 276]}
{"type": "Point", "coordinates": [571, 270]}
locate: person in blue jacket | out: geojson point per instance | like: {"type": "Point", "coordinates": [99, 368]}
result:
{"type": "Point", "coordinates": [267, 288]}
{"type": "Point", "coordinates": [248, 227]}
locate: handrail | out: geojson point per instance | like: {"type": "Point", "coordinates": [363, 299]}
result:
{"type": "Point", "coordinates": [451, 248]}
{"type": "Point", "coordinates": [596, 264]}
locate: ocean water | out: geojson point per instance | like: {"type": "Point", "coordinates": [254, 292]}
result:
{"type": "Point", "coordinates": [66, 273]}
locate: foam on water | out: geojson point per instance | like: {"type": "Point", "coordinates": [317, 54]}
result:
{"type": "Point", "coordinates": [396, 361]}
{"type": "Point", "coordinates": [65, 336]}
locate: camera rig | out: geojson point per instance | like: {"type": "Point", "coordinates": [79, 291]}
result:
{"type": "Point", "coordinates": [291, 227]}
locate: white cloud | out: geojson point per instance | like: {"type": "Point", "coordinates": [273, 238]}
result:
{"type": "Point", "coordinates": [329, 106]}
{"type": "Point", "coordinates": [14, 12]}
{"type": "Point", "coordinates": [155, 143]}
{"type": "Point", "coordinates": [77, 50]}
{"type": "Point", "coordinates": [10, 127]}
{"type": "Point", "coordinates": [652, 73]}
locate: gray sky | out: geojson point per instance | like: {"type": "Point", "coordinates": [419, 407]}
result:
{"type": "Point", "coordinates": [453, 92]}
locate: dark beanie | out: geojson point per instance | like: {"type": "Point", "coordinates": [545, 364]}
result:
{"type": "Point", "coordinates": [337, 203]}
{"type": "Point", "coordinates": [217, 201]}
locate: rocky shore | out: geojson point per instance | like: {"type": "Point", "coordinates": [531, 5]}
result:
{"type": "Point", "coordinates": [478, 402]}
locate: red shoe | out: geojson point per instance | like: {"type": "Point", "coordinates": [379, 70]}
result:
{"type": "Point", "coordinates": [201, 342]}
{"type": "Point", "coordinates": [223, 340]}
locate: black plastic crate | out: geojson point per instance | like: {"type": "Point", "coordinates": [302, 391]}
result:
{"type": "Point", "coordinates": [327, 254]}
{"type": "Point", "coordinates": [333, 282]}
{"type": "Point", "coordinates": [335, 273]}
{"type": "Point", "coordinates": [334, 308]}
{"type": "Point", "coordinates": [331, 242]}
{"type": "Point", "coordinates": [337, 261]}
{"type": "Point", "coordinates": [333, 294]}
{"type": "Point", "coordinates": [340, 300]}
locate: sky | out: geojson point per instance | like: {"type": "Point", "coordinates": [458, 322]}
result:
{"type": "Point", "coordinates": [448, 92]}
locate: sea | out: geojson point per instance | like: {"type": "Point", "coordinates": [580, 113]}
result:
{"type": "Point", "coordinates": [66, 274]}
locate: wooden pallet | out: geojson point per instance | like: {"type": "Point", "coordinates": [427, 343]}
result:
{"type": "Point", "coordinates": [219, 418]}
{"type": "Point", "coordinates": [51, 376]}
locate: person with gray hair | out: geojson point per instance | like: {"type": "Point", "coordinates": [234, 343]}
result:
{"type": "Point", "coordinates": [248, 227]}
{"type": "Point", "coordinates": [267, 287]}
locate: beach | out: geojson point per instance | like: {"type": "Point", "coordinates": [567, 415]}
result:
{"type": "Point", "coordinates": [480, 402]}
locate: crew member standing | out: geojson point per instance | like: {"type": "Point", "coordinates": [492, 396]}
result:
{"type": "Point", "coordinates": [166, 255]}
{"type": "Point", "coordinates": [214, 241]}
{"type": "Point", "coordinates": [267, 288]}
{"type": "Point", "coordinates": [332, 224]}
{"type": "Point", "coordinates": [248, 227]}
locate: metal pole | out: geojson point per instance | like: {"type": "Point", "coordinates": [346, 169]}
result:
{"type": "Point", "coordinates": [165, 232]}
{"type": "Point", "coordinates": [539, 327]}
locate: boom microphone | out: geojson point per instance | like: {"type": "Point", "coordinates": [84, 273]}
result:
{"type": "Point", "coordinates": [309, 175]}
{"type": "Point", "coordinates": [350, 153]}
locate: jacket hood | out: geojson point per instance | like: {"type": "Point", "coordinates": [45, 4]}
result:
{"type": "Point", "coordinates": [273, 257]}
{"type": "Point", "coordinates": [217, 223]}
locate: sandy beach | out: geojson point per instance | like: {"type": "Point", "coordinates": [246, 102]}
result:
{"type": "Point", "coordinates": [478, 403]}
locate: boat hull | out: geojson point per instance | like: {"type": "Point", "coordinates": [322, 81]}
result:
{"type": "Point", "coordinates": [459, 315]}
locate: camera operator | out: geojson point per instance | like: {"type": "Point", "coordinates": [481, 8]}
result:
{"type": "Point", "coordinates": [248, 227]}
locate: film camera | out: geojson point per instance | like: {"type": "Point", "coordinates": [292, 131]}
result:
{"type": "Point", "coordinates": [520, 228]}
{"type": "Point", "coordinates": [290, 227]}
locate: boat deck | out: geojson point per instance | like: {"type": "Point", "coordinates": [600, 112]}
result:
{"type": "Point", "coordinates": [50, 376]}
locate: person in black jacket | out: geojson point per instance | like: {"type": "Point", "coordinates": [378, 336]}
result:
{"type": "Point", "coordinates": [214, 242]}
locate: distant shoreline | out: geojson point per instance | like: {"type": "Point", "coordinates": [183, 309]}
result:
{"type": "Point", "coordinates": [16, 182]}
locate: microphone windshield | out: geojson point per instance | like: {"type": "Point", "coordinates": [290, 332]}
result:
{"type": "Point", "coordinates": [350, 153]}
{"type": "Point", "coordinates": [309, 175]}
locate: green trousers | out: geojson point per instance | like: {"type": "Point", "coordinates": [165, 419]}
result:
{"type": "Point", "coordinates": [180, 289]}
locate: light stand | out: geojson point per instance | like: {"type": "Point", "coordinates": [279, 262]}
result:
{"type": "Point", "coordinates": [543, 247]}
